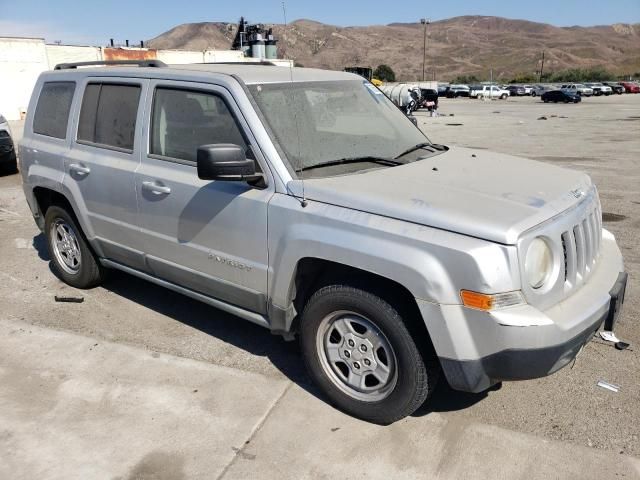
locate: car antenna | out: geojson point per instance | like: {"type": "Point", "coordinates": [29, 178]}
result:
{"type": "Point", "coordinates": [303, 203]}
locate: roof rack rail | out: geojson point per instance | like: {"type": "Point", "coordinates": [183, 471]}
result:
{"type": "Point", "coordinates": [261, 62]}
{"type": "Point", "coordinates": [139, 63]}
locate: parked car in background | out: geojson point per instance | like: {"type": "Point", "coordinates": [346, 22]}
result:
{"type": "Point", "coordinates": [442, 89]}
{"type": "Point", "coordinates": [577, 88]}
{"type": "Point", "coordinates": [538, 90]}
{"type": "Point", "coordinates": [556, 96]}
{"type": "Point", "coordinates": [8, 159]}
{"type": "Point", "coordinates": [599, 88]}
{"type": "Point", "coordinates": [488, 91]}
{"type": "Point", "coordinates": [630, 87]}
{"type": "Point", "coordinates": [527, 89]}
{"type": "Point", "coordinates": [615, 87]}
{"type": "Point", "coordinates": [429, 98]}
{"type": "Point", "coordinates": [516, 90]}
{"type": "Point", "coordinates": [455, 91]}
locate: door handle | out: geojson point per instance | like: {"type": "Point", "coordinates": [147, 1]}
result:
{"type": "Point", "coordinates": [79, 169]}
{"type": "Point", "coordinates": [156, 188]}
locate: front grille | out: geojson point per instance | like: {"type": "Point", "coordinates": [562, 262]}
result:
{"type": "Point", "coordinates": [581, 247]}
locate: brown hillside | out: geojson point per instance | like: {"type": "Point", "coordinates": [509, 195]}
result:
{"type": "Point", "coordinates": [461, 45]}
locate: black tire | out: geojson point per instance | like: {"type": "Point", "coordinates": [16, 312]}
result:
{"type": "Point", "coordinates": [533, 94]}
{"type": "Point", "coordinates": [89, 272]}
{"type": "Point", "coordinates": [414, 376]}
{"type": "Point", "coordinates": [503, 96]}
{"type": "Point", "coordinates": [11, 166]}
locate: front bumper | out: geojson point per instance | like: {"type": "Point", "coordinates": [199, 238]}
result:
{"type": "Point", "coordinates": [478, 349]}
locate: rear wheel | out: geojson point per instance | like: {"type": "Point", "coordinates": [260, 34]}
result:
{"type": "Point", "coordinates": [68, 249]}
{"type": "Point", "coordinates": [360, 353]}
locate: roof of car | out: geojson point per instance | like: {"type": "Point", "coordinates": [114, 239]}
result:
{"type": "Point", "coordinates": [248, 73]}
{"type": "Point", "coordinates": [268, 73]}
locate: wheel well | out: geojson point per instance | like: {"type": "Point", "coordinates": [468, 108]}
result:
{"type": "Point", "coordinates": [314, 273]}
{"type": "Point", "coordinates": [47, 197]}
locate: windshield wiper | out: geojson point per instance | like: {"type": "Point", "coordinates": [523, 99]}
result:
{"type": "Point", "coordinates": [414, 148]}
{"type": "Point", "coordinates": [343, 161]}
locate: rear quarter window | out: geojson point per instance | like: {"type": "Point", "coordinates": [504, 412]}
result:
{"type": "Point", "coordinates": [52, 110]}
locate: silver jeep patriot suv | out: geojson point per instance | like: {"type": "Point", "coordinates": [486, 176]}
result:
{"type": "Point", "coordinates": [304, 201]}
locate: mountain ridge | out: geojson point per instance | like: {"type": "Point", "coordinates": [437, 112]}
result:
{"type": "Point", "coordinates": [465, 45]}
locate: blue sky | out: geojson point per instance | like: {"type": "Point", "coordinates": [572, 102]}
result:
{"type": "Point", "coordinates": [93, 22]}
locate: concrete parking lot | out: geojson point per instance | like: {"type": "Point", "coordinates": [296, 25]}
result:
{"type": "Point", "coordinates": [140, 382]}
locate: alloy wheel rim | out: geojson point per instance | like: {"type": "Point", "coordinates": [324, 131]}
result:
{"type": "Point", "coordinates": [66, 247]}
{"type": "Point", "coordinates": [356, 356]}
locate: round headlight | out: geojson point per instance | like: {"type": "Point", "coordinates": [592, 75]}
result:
{"type": "Point", "coordinates": [538, 263]}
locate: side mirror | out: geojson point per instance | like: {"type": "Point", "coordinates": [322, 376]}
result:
{"type": "Point", "coordinates": [224, 161]}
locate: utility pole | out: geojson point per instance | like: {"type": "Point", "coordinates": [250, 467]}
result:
{"type": "Point", "coordinates": [541, 67]}
{"type": "Point", "coordinates": [424, 22]}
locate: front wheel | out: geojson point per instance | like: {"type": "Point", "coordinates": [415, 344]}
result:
{"type": "Point", "coordinates": [533, 94]}
{"type": "Point", "coordinates": [503, 96]}
{"type": "Point", "coordinates": [360, 353]}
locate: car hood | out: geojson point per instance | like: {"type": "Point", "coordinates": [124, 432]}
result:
{"type": "Point", "coordinates": [478, 193]}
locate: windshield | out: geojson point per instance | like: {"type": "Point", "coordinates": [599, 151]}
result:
{"type": "Point", "coordinates": [320, 122]}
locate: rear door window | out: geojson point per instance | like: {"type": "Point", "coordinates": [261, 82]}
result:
{"type": "Point", "coordinates": [52, 111]}
{"type": "Point", "coordinates": [108, 115]}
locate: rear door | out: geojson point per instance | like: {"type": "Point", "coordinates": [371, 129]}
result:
{"type": "Point", "coordinates": [209, 236]}
{"type": "Point", "coordinates": [102, 161]}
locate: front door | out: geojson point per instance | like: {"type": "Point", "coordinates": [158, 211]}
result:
{"type": "Point", "coordinates": [209, 236]}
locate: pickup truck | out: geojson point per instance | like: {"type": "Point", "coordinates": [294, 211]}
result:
{"type": "Point", "coordinates": [599, 89]}
{"type": "Point", "coordinates": [488, 91]}
{"type": "Point", "coordinates": [577, 89]}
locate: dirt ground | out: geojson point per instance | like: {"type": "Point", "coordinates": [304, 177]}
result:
{"type": "Point", "coordinates": [600, 136]}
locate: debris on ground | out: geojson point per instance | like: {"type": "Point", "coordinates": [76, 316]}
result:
{"type": "Point", "coordinates": [497, 111]}
{"type": "Point", "coordinates": [608, 386]}
{"type": "Point", "coordinates": [609, 336]}
{"type": "Point", "coordinates": [542, 118]}
{"type": "Point", "coordinates": [621, 345]}
{"type": "Point", "coordinates": [454, 124]}
{"type": "Point", "coordinates": [69, 299]}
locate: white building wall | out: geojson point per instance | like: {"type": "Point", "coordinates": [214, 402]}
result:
{"type": "Point", "coordinates": [69, 53]}
{"type": "Point", "coordinates": [21, 61]}
{"type": "Point", "coordinates": [179, 57]}
{"type": "Point", "coordinates": [224, 56]}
